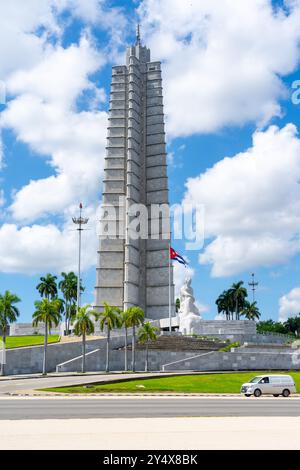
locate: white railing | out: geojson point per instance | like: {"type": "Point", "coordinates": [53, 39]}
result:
{"type": "Point", "coordinates": [74, 359]}
{"type": "Point", "coordinates": [185, 359]}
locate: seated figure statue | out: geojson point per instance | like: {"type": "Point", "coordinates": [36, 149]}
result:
{"type": "Point", "coordinates": [188, 315]}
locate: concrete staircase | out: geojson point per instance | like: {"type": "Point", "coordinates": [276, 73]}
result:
{"type": "Point", "coordinates": [182, 343]}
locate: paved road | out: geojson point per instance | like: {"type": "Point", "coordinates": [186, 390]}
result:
{"type": "Point", "coordinates": [28, 384]}
{"type": "Point", "coordinates": [119, 407]}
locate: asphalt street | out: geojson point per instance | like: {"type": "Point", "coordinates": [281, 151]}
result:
{"type": "Point", "coordinates": [15, 385]}
{"type": "Point", "coordinates": [144, 407]}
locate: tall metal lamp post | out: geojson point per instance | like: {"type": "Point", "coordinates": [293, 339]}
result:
{"type": "Point", "coordinates": [253, 286]}
{"type": "Point", "coordinates": [79, 221]}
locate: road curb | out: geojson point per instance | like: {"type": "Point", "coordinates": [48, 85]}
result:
{"type": "Point", "coordinates": [99, 395]}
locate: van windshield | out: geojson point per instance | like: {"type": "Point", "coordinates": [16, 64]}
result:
{"type": "Point", "coordinates": [255, 380]}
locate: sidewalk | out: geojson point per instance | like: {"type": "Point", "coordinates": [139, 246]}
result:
{"type": "Point", "coordinates": [227, 433]}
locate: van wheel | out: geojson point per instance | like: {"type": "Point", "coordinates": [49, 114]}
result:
{"type": "Point", "coordinates": [276, 395]}
{"type": "Point", "coordinates": [285, 393]}
{"type": "Point", "coordinates": [257, 393]}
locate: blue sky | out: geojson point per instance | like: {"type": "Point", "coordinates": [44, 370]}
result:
{"type": "Point", "coordinates": [231, 128]}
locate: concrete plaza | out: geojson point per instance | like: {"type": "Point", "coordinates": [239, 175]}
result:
{"type": "Point", "coordinates": [228, 433]}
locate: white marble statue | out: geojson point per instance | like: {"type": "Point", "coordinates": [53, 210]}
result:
{"type": "Point", "coordinates": [188, 315]}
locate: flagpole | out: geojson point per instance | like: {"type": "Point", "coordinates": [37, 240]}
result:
{"type": "Point", "coordinates": [170, 318]}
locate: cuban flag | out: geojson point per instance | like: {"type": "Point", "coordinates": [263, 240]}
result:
{"type": "Point", "coordinates": [175, 256]}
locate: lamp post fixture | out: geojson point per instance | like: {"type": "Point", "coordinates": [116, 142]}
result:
{"type": "Point", "coordinates": [79, 221]}
{"type": "Point", "coordinates": [253, 286]}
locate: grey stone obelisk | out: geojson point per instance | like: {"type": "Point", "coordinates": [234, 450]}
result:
{"type": "Point", "coordinates": [135, 271]}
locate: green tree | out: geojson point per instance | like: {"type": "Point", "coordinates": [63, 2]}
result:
{"type": "Point", "coordinates": [47, 286]}
{"type": "Point", "coordinates": [68, 287]}
{"type": "Point", "coordinates": [271, 326]}
{"type": "Point", "coordinates": [239, 294]}
{"type": "Point", "coordinates": [136, 318]}
{"type": "Point", "coordinates": [109, 319]}
{"type": "Point", "coordinates": [84, 326]}
{"type": "Point", "coordinates": [47, 312]}
{"type": "Point", "coordinates": [72, 314]}
{"type": "Point", "coordinates": [251, 311]}
{"type": "Point", "coordinates": [177, 305]}
{"type": "Point", "coordinates": [125, 317]}
{"type": "Point", "coordinates": [292, 324]}
{"type": "Point", "coordinates": [8, 314]}
{"type": "Point", "coordinates": [146, 333]}
{"type": "Point", "coordinates": [225, 304]}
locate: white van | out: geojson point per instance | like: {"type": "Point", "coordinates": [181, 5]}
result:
{"type": "Point", "coordinates": [269, 384]}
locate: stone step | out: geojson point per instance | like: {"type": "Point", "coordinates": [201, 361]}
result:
{"type": "Point", "coordinates": [181, 343]}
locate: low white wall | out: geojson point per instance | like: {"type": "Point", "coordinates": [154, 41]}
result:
{"type": "Point", "coordinates": [24, 329]}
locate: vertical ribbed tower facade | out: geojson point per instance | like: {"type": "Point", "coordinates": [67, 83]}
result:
{"type": "Point", "coordinates": [133, 271]}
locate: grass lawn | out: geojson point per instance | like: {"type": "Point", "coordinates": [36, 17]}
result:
{"type": "Point", "coordinates": [32, 340]}
{"type": "Point", "coordinates": [205, 383]}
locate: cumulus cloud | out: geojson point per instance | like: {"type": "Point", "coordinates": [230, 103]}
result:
{"type": "Point", "coordinates": [27, 26]}
{"type": "Point", "coordinates": [29, 249]}
{"type": "Point", "coordinates": [44, 116]}
{"type": "Point", "coordinates": [46, 81]}
{"type": "Point", "coordinates": [20, 46]}
{"type": "Point", "coordinates": [289, 304]}
{"type": "Point", "coordinates": [252, 204]}
{"type": "Point", "coordinates": [220, 66]}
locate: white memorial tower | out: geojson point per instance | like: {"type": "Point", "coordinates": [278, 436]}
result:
{"type": "Point", "coordinates": [135, 271]}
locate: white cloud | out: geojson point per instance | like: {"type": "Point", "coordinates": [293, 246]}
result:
{"type": "Point", "coordinates": [252, 204]}
{"type": "Point", "coordinates": [26, 26]}
{"type": "Point", "coordinates": [43, 115]}
{"type": "Point", "coordinates": [44, 81]}
{"type": "Point", "coordinates": [30, 248]}
{"type": "Point", "coordinates": [223, 60]}
{"type": "Point", "coordinates": [87, 10]}
{"type": "Point", "coordinates": [54, 79]}
{"type": "Point", "coordinates": [289, 304]}
{"type": "Point", "coordinates": [20, 47]}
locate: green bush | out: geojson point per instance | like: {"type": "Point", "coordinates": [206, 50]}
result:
{"type": "Point", "coordinates": [229, 346]}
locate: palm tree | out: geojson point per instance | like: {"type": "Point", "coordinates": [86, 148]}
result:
{"type": "Point", "coordinates": [125, 317]}
{"type": "Point", "coordinates": [47, 312]}
{"type": "Point", "coordinates": [72, 314]}
{"type": "Point", "coordinates": [136, 318]}
{"type": "Point", "coordinates": [239, 294]}
{"type": "Point", "coordinates": [8, 314]}
{"type": "Point", "coordinates": [147, 333]}
{"type": "Point", "coordinates": [225, 304]}
{"type": "Point", "coordinates": [68, 286]}
{"type": "Point", "coordinates": [292, 324]}
{"type": "Point", "coordinates": [61, 308]}
{"type": "Point", "coordinates": [47, 287]}
{"type": "Point", "coordinates": [84, 326]}
{"type": "Point", "coordinates": [251, 311]}
{"type": "Point", "coordinates": [109, 319]}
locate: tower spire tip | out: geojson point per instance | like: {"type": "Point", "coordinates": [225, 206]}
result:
{"type": "Point", "coordinates": [138, 34]}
